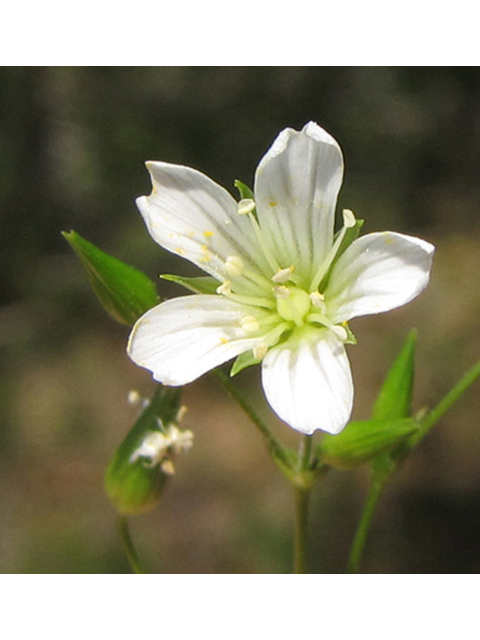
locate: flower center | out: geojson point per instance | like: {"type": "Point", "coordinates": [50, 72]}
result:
{"type": "Point", "coordinates": [293, 303]}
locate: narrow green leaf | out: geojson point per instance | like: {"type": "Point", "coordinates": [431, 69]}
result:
{"type": "Point", "coordinates": [125, 293]}
{"type": "Point", "coordinates": [362, 441]}
{"type": "Point", "coordinates": [202, 284]}
{"type": "Point", "coordinates": [244, 191]}
{"type": "Point", "coordinates": [134, 487]}
{"type": "Point", "coordinates": [243, 361]}
{"type": "Point", "coordinates": [395, 397]}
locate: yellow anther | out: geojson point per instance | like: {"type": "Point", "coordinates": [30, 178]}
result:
{"type": "Point", "coordinates": [250, 324]}
{"type": "Point", "coordinates": [134, 398]}
{"type": "Point", "coordinates": [234, 266]}
{"type": "Point", "coordinates": [281, 292]}
{"type": "Point", "coordinates": [167, 467]}
{"type": "Point", "coordinates": [224, 289]}
{"type": "Point", "coordinates": [349, 219]}
{"type": "Point", "coordinates": [245, 206]}
{"type": "Point", "coordinates": [318, 299]}
{"type": "Point", "coordinates": [283, 275]}
{"type": "Point", "coordinates": [340, 332]}
{"type": "Point", "coordinates": [260, 350]}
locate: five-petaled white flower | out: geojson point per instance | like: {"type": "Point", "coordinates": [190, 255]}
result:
{"type": "Point", "coordinates": [287, 285]}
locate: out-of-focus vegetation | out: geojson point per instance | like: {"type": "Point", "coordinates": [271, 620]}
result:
{"type": "Point", "coordinates": [72, 146]}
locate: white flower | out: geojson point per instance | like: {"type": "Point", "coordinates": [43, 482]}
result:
{"type": "Point", "coordinates": [285, 293]}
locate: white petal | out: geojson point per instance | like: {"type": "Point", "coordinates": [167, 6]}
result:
{"type": "Point", "coordinates": [189, 214]}
{"type": "Point", "coordinates": [183, 338]}
{"type": "Point", "coordinates": [296, 188]}
{"type": "Point", "coordinates": [378, 272]}
{"type": "Point", "coordinates": [308, 383]}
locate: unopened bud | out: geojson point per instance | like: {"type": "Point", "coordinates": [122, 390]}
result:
{"type": "Point", "coordinates": [139, 469]}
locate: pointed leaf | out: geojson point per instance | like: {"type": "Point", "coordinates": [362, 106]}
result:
{"type": "Point", "coordinates": [395, 397]}
{"type": "Point", "coordinates": [125, 293]}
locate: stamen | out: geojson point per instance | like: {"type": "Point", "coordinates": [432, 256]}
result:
{"type": "Point", "coordinates": [274, 336]}
{"type": "Point", "coordinates": [340, 332]}
{"type": "Point", "coordinates": [245, 206]}
{"type": "Point", "coordinates": [284, 275]}
{"type": "Point", "coordinates": [168, 467]}
{"type": "Point", "coordinates": [281, 292]}
{"type": "Point", "coordinates": [256, 277]}
{"type": "Point", "coordinates": [234, 266]}
{"type": "Point", "coordinates": [250, 324]}
{"type": "Point", "coordinates": [261, 241]}
{"type": "Point", "coordinates": [348, 219]}
{"type": "Point", "coordinates": [260, 350]}
{"type": "Point", "coordinates": [318, 299]}
{"type": "Point", "coordinates": [319, 318]}
{"type": "Point", "coordinates": [225, 290]}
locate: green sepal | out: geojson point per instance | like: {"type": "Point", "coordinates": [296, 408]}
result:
{"type": "Point", "coordinates": [244, 191]}
{"type": "Point", "coordinates": [202, 284]}
{"type": "Point", "coordinates": [364, 440]}
{"type": "Point", "coordinates": [350, 236]}
{"type": "Point", "coordinates": [134, 487]}
{"type": "Point", "coordinates": [125, 293]}
{"type": "Point", "coordinates": [395, 397]}
{"type": "Point", "coordinates": [243, 361]}
{"type": "Point", "coordinates": [351, 337]}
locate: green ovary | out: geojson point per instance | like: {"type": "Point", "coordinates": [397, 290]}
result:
{"type": "Point", "coordinates": [294, 306]}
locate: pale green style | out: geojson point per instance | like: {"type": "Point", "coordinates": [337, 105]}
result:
{"type": "Point", "coordinates": [285, 294]}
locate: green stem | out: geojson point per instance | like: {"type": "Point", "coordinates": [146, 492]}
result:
{"type": "Point", "coordinates": [130, 550]}
{"type": "Point", "coordinates": [300, 538]}
{"type": "Point", "coordinates": [452, 396]}
{"type": "Point", "coordinates": [378, 483]}
{"type": "Point", "coordinates": [302, 495]}
{"type": "Point", "coordinates": [374, 493]}
{"type": "Point", "coordinates": [305, 453]}
{"type": "Point", "coordinates": [273, 444]}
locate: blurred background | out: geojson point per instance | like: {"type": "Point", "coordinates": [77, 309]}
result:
{"type": "Point", "coordinates": [73, 142]}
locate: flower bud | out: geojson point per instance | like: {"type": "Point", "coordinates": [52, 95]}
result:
{"type": "Point", "coordinates": [139, 469]}
{"type": "Point", "coordinates": [363, 441]}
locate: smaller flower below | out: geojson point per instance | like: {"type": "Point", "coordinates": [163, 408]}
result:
{"type": "Point", "coordinates": [156, 447]}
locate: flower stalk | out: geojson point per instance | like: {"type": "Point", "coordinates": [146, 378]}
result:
{"type": "Point", "coordinates": [130, 551]}
{"type": "Point", "coordinates": [273, 445]}
{"type": "Point", "coordinates": [302, 497]}
{"type": "Point", "coordinates": [356, 552]}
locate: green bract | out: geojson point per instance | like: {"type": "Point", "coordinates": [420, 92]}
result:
{"type": "Point", "coordinates": [395, 397]}
{"type": "Point", "coordinates": [124, 292]}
